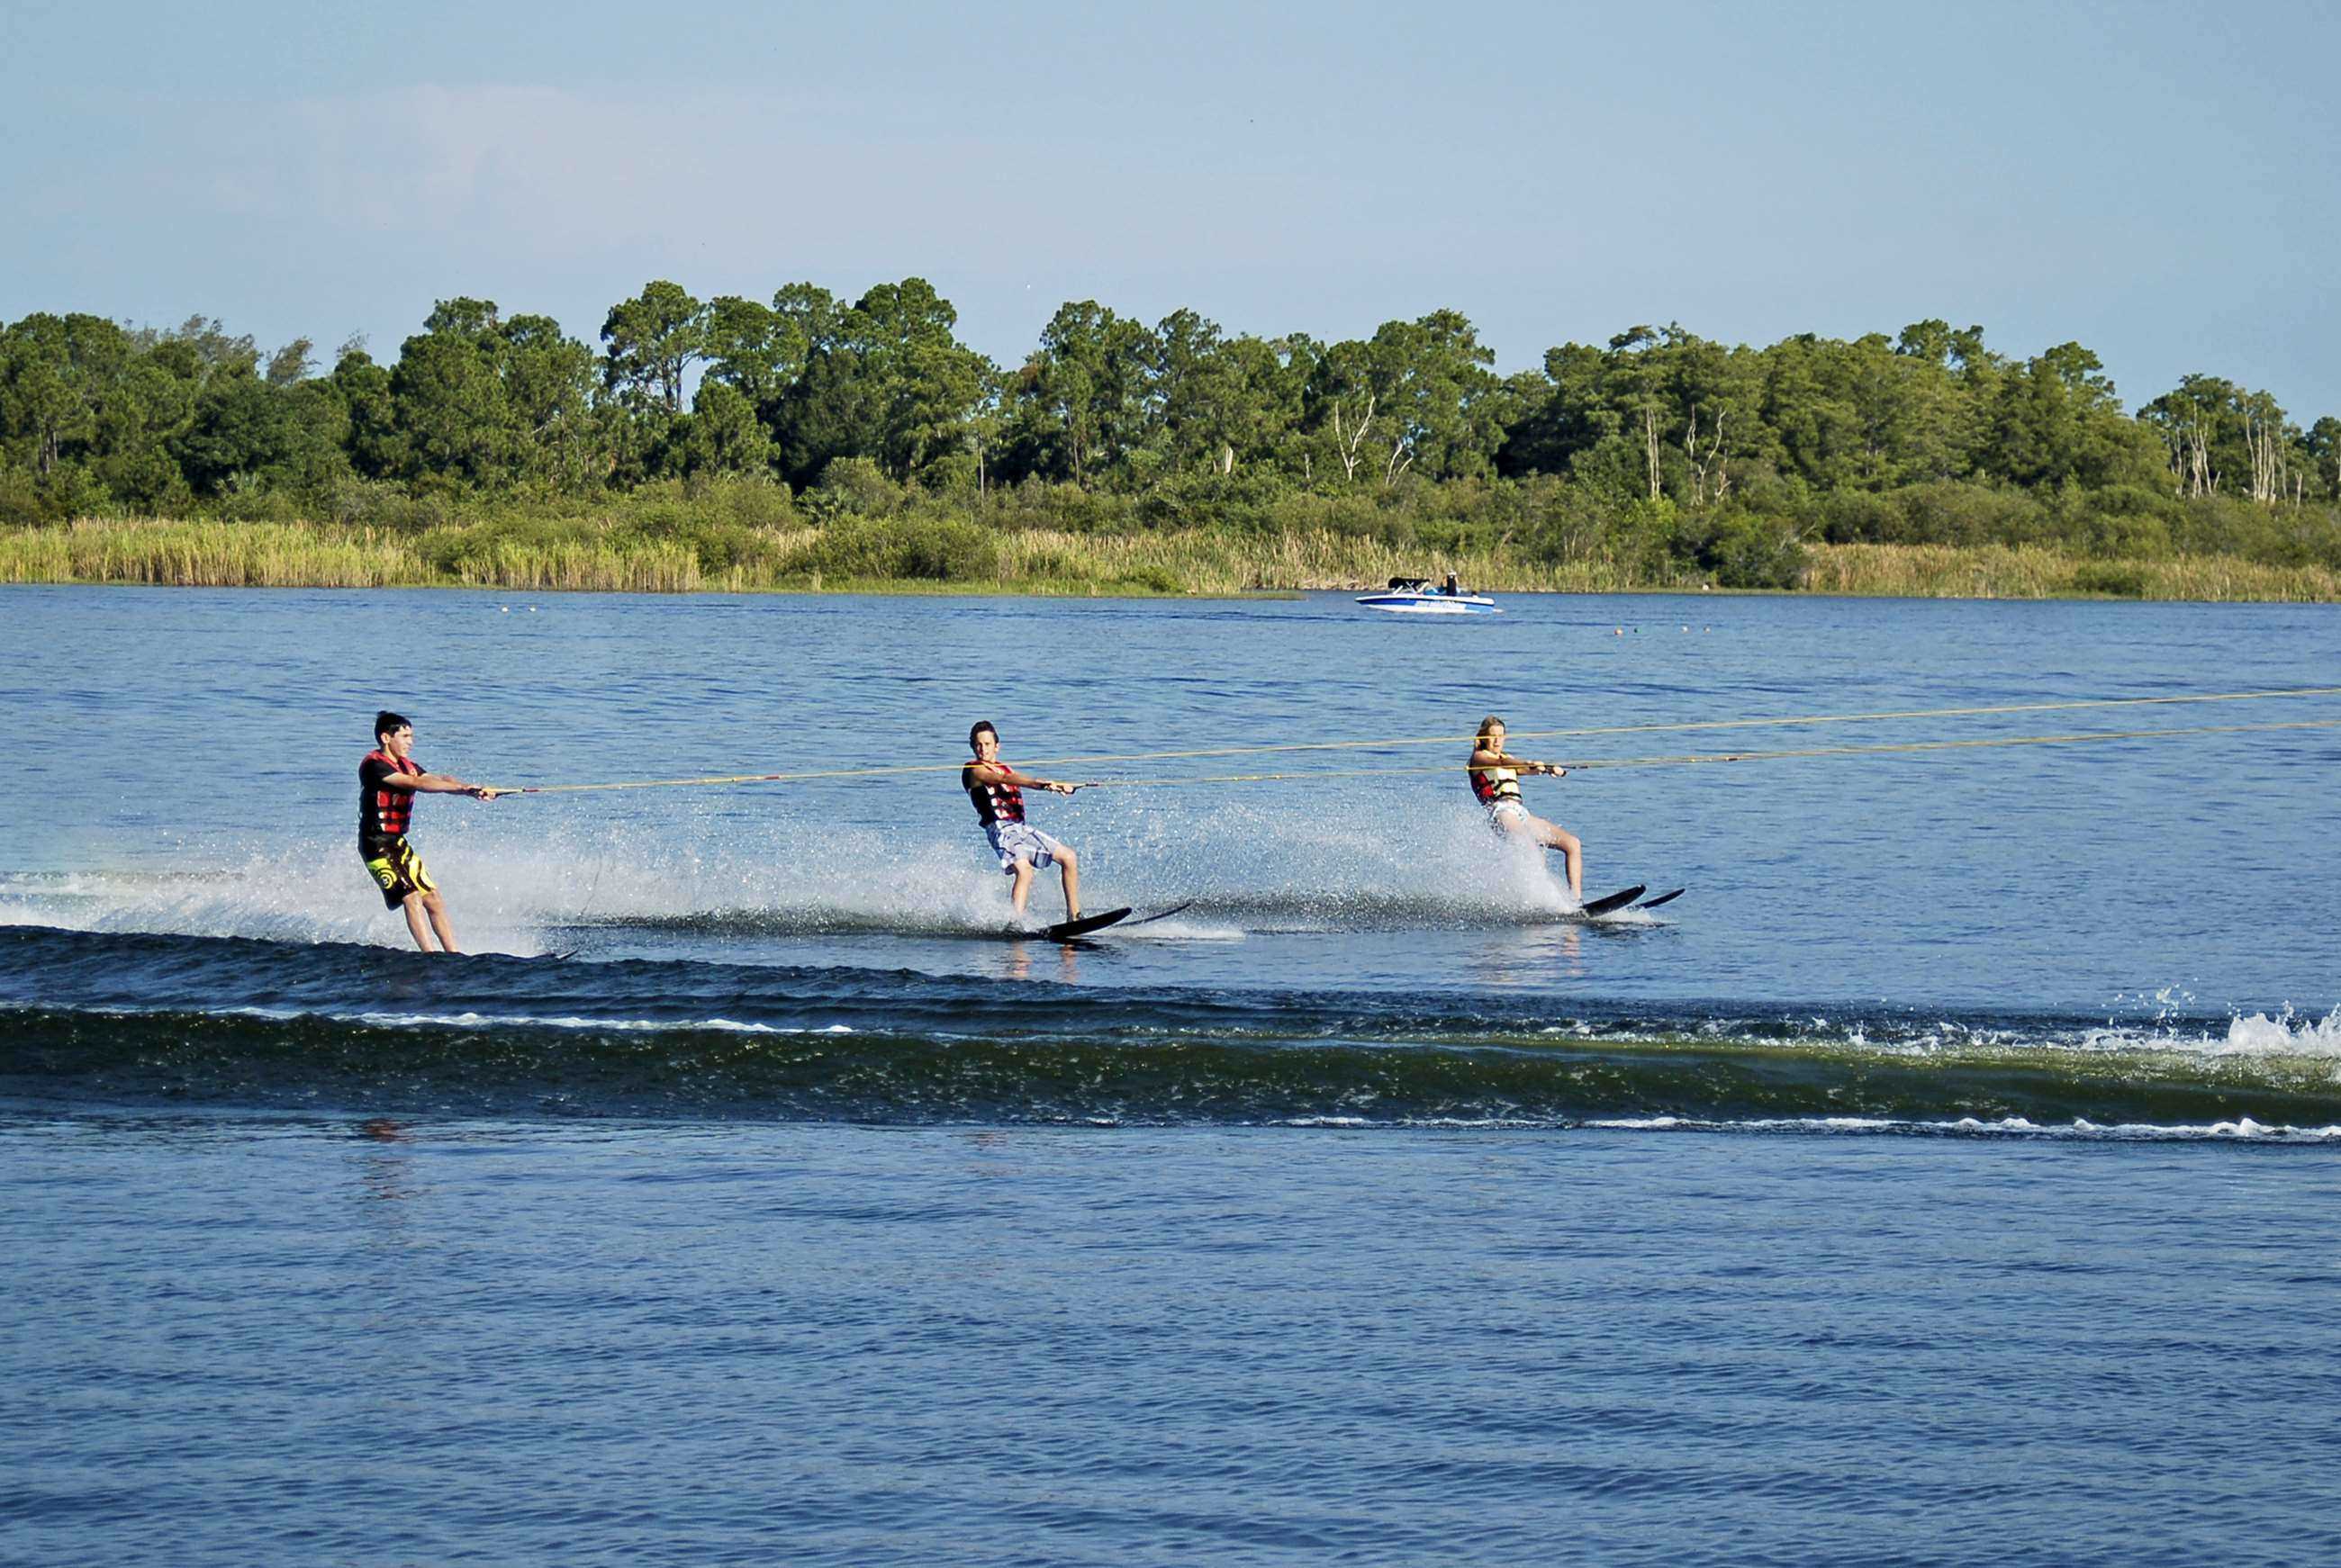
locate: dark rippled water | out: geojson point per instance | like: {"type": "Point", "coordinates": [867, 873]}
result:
{"type": "Point", "coordinates": [1947, 1178]}
{"type": "Point", "coordinates": [236, 1340]}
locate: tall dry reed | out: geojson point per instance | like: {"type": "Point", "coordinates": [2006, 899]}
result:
{"type": "Point", "coordinates": [605, 557]}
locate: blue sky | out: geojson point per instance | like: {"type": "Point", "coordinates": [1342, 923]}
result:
{"type": "Point", "coordinates": [2160, 181]}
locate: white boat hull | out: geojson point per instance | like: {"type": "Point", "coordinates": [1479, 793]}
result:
{"type": "Point", "coordinates": [1429, 604]}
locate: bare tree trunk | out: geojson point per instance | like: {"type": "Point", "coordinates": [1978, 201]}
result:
{"type": "Point", "coordinates": [2200, 480]}
{"type": "Point", "coordinates": [1701, 464]}
{"type": "Point", "coordinates": [1691, 451]}
{"type": "Point", "coordinates": [1346, 446]}
{"type": "Point", "coordinates": [2267, 460]}
{"type": "Point", "coordinates": [1722, 463]}
{"type": "Point", "coordinates": [1650, 444]}
{"type": "Point", "coordinates": [1392, 469]}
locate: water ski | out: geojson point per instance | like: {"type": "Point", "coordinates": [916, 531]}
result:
{"type": "Point", "coordinates": [1161, 914]}
{"type": "Point", "coordinates": [1661, 898]}
{"type": "Point", "coordinates": [1065, 931]}
{"type": "Point", "coordinates": [1609, 904]}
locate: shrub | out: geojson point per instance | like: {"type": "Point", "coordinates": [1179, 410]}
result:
{"type": "Point", "coordinates": [2122, 535]}
{"type": "Point", "coordinates": [1350, 514]}
{"type": "Point", "coordinates": [1945, 511]}
{"type": "Point", "coordinates": [1242, 501]}
{"type": "Point", "coordinates": [1859, 517]}
{"type": "Point", "coordinates": [1750, 551]}
{"type": "Point", "coordinates": [751, 501]}
{"type": "Point", "coordinates": [256, 503]}
{"type": "Point", "coordinates": [2121, 581]}
{"type": "Point", "coordinates": [27, 500]}
{"type": "Point", "coordinates": [1151, 579]}
{"type": "Point", "coordinates": [1035, 503]}
{"type": "Point", "coordinates": [927, 548]}
{"type": "Point", "coordinates": [1568, 528]}
{"type": "Point", "coordinates": [956, 474]}
{"type": "Point", "coordinates": [853, 487]}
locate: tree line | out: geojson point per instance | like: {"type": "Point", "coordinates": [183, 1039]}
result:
{"type": "Point", "coordinates": [1929, 435]}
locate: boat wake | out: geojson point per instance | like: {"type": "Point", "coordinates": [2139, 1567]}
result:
{"type": "Point", "coordinates": [105, 1019]}
{"type": "Point", "coordinates": [787, 879]}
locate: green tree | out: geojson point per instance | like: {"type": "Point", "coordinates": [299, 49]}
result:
{"type": "Point", "coordinates": [484, 401]}
{"type": "Point", "coordinates": [933, 382]}
{"type": "Point", "coordinates": [1818, 432]}
{"type": "Point", "coordinates": [249, 435]}
{"type": "Point", "coordinates": [2220, 438]}
{"type": "Point", "coordinates": [87, 411]}
{"type": "Point", "coordinates": [200, 348]}
{"type": "Point", "coordinates": [1219, 402]}
{"type": "Point", "coordinates": [455, 421]}
{"type": "Point", "coordinates": [48, 404]}
{"type": "Point", "coordinates": [652, 340]}
{"type": "Point", "coordinates": [1711, 397]}
{"type": "Point", "coordinates": [1416, 398]}
{"type": "Point", "coordinates": [1934, 423]}
{"type": "Point", "coordinates": [290, 364]}
{"type": "Point", "coordinates": [1087, 394]}
{"type": "Point", "coordinates": [725, 437]}
{"type": "Point", "coordinates": [1563, 413]}
{"type": "Point", "coordinates": [376, 447]}
{"type": "Point", "coordinates": [886, 379]}
{"type": "Point", "coordinates": [757, 349]}
{"type": "Point", "coordinates": [2058, 419]}
{"type": "Point", "coordinates": [2322, 449]}
{"type": "Point", "coordinates": [143, 408]}
{"type": "Point", "coordinates": [548, 385]}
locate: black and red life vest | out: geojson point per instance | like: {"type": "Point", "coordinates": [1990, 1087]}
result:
{"type": "Point", "coordinates": [993, 802]}
{"type": "Point", "coordinates": [383, 811]}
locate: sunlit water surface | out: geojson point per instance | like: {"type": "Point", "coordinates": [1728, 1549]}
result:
{"type": "Point", "coordinates": [1945, 1178]}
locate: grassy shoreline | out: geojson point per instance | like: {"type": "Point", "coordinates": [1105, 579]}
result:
{"type": "Point", "coordinates": [616, 559]}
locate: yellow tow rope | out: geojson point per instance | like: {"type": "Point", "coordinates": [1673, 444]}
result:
{"type": "Point", "coordinates": [804, 776]}
{"type": "Point", "coordinates": [1683, 759]}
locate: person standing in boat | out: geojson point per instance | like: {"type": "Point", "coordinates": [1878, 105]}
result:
{"type": "Point", "coordinates": [388, 780]}
{"type": "Point", "coordinates": [1495, 778]}
{"type": "Point", "coordinates": [998, 791]}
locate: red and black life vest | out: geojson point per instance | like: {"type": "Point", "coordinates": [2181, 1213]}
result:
{"type": "Point", "coordinates": [1494, 784]}
{"type": "Point", "coordinates": [993, 802]}
{"type": "Point", "coordinates": [383, 811]}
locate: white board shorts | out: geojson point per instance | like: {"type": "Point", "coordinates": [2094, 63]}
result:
{"type": "Point", "coordinates": [1014, 841]}
{"type": "Point", "coordinates": [1507, 816]}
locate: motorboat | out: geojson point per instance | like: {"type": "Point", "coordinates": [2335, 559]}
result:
{"type": "Point", "coordinates": [1420, 596]}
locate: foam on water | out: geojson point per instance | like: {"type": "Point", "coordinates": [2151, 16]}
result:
{"type": "Point", "coordinates": [2242, 1129]}
{"type": "Point", "coordinates": [475, 1020]}
{"type": "Point", "coordinates": [1257, 868]}
{"type": "Point", "coordinates": [2287, 1034]}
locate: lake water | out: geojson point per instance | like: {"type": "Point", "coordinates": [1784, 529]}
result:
{"type": "Point", "coordinates": [1947, 1177]}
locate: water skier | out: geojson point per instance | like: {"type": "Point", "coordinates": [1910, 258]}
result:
{"type": "Point", "coordinates": [388, 780]}
{"type": "Point", "coordinates": [998, 791]}
{"type": "Point", "coordinates": [1495, 782]}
